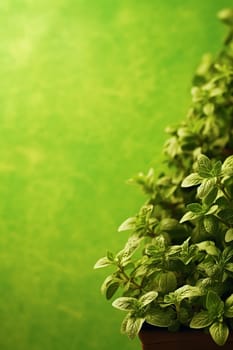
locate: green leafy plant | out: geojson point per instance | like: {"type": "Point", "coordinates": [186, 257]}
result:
{"type": "Point", "coordinates": [176, 268]}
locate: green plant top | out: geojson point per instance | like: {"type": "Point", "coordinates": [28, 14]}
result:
{"type": "Point", "coordinates": [176, 268]}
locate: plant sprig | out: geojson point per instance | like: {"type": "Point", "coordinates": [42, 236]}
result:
{"type": "Point", "coordinates": [176, 268]}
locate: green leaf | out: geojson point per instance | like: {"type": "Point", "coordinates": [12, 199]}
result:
{"type": "Point", "coordinates": [229, 235]}
{"type": "Point", "coordinates": [195, 208]}
{"type": "Point", "coordinates": [110, 286]}
{"type": "Point", "coordinates": [210, 223]}
{"type": "Point", "coordinates": [229, 267]}
{"type": "Point", "coordinates": [184, 315]}
{"type": "Point", "coordinates": [103, 262]}
{"type": "Point", "coordinates": [126, 304]}
{"type": "Point", "coordinates": [148, 298]}
{"type": "Point", "coordinates": [214, 304]}
{"type": "Point", "coordinates": [181, 293]}
{"type": "Point", "coordinates": [168, 224]}
{"type": "Point", "coordinates": [205, 187]}
{"type": "Point", "coordinates": [166, 282]}
{"type": "Point", "coordinates": [226, 15]}
{"type": "Point", "coordinates": [169, 299]}
{"type": "Point", "coordinates": [189, 216]}
{"type": "Point", "coordinates": [111, 289]}
{"type": "Point", "coordinates": [196, 94]}
{"type": "Point", "coordinates": [191, 180]}
{"type": "Point", "coordinates": [160, 317]}
{"type": "Point", "coordinates": [218, 91]}
{"type": "Point", "coordinates": [200, 320]}
{"type": "Point", "coordinates": [219, 332]}
{"type": "Point", "coordinates": [222, 202]}
{"type": "Point", "coordinates": [172, 146]}
{"type": "Point", "coordinates": [158, 248]}
{"type": "Point", "coordinates": [128, 224]}
{"type": "Point", "coordinates": [131, 325]}
{"type": "Point", "coordinates": [209, 247]}
{"type": "Point", "coordinates": [212, 209]}
{"type": "Point", "coordinates": [217, 168]}
{"type": "Point", "coordinates": [229, 307]}
{"type": "Point", "coordinates": [211, 196]}
{"type": "Point", "coordinates": [204, 166]}
{"type": "Point", "coordinates": [124, 323]}
{"type": "Point", "coordinates": [204, 65]}
{"type": "Point", "coordinates": [188, 252]}
{"type": "Point", "coordinates": [110, 256]}
{"type": "Point", "coordinates": [226, 215]}
{"type": "Point", "coordinates": [227, 254]}
{"type": "Point", "coordinates": [227, 166]}
{"type": "Point", "coordinates": [208, 109]}
{"type": "Point", "coordinates": [188, 291]}
{"type": "Point", "coordinates": [131, 246]}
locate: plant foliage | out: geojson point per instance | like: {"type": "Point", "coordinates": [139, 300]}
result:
{"type": "Point", "coordinates": [176, 268]}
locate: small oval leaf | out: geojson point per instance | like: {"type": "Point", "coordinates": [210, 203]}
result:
{"type": "Point", "coordinates": [229, 235]}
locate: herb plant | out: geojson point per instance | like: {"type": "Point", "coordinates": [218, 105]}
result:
{"type": "Point", "coordinates": [176, 268]}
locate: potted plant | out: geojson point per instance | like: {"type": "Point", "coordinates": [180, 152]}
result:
{"type": "Point", "coordinates": [174, 276]}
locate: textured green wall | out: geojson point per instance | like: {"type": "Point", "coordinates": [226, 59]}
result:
{"type": "Point", "coordinates": [87, 88]}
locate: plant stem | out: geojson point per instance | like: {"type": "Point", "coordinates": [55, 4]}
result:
{"type": "Point", "coordinates": [223, 221]}
{"type": "Point", "coordinates": [225, 193]}
{"type": "Point", "coordinates": [222, 189]}
{"type": "Point", "coordinates": [129, 279]}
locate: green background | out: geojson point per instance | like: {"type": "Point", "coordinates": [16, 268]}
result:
{"type": "Point", "coordinates": [87, 88]}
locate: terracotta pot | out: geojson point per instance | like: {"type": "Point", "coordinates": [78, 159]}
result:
{"type": "Point", "coordinates": [153, 338]}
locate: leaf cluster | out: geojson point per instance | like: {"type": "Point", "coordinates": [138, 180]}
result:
{"type": "Point", "coordinates": [176, 268]}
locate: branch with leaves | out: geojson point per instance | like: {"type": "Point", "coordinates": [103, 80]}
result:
{"type": "Point", "coordinates": [176, 268]}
